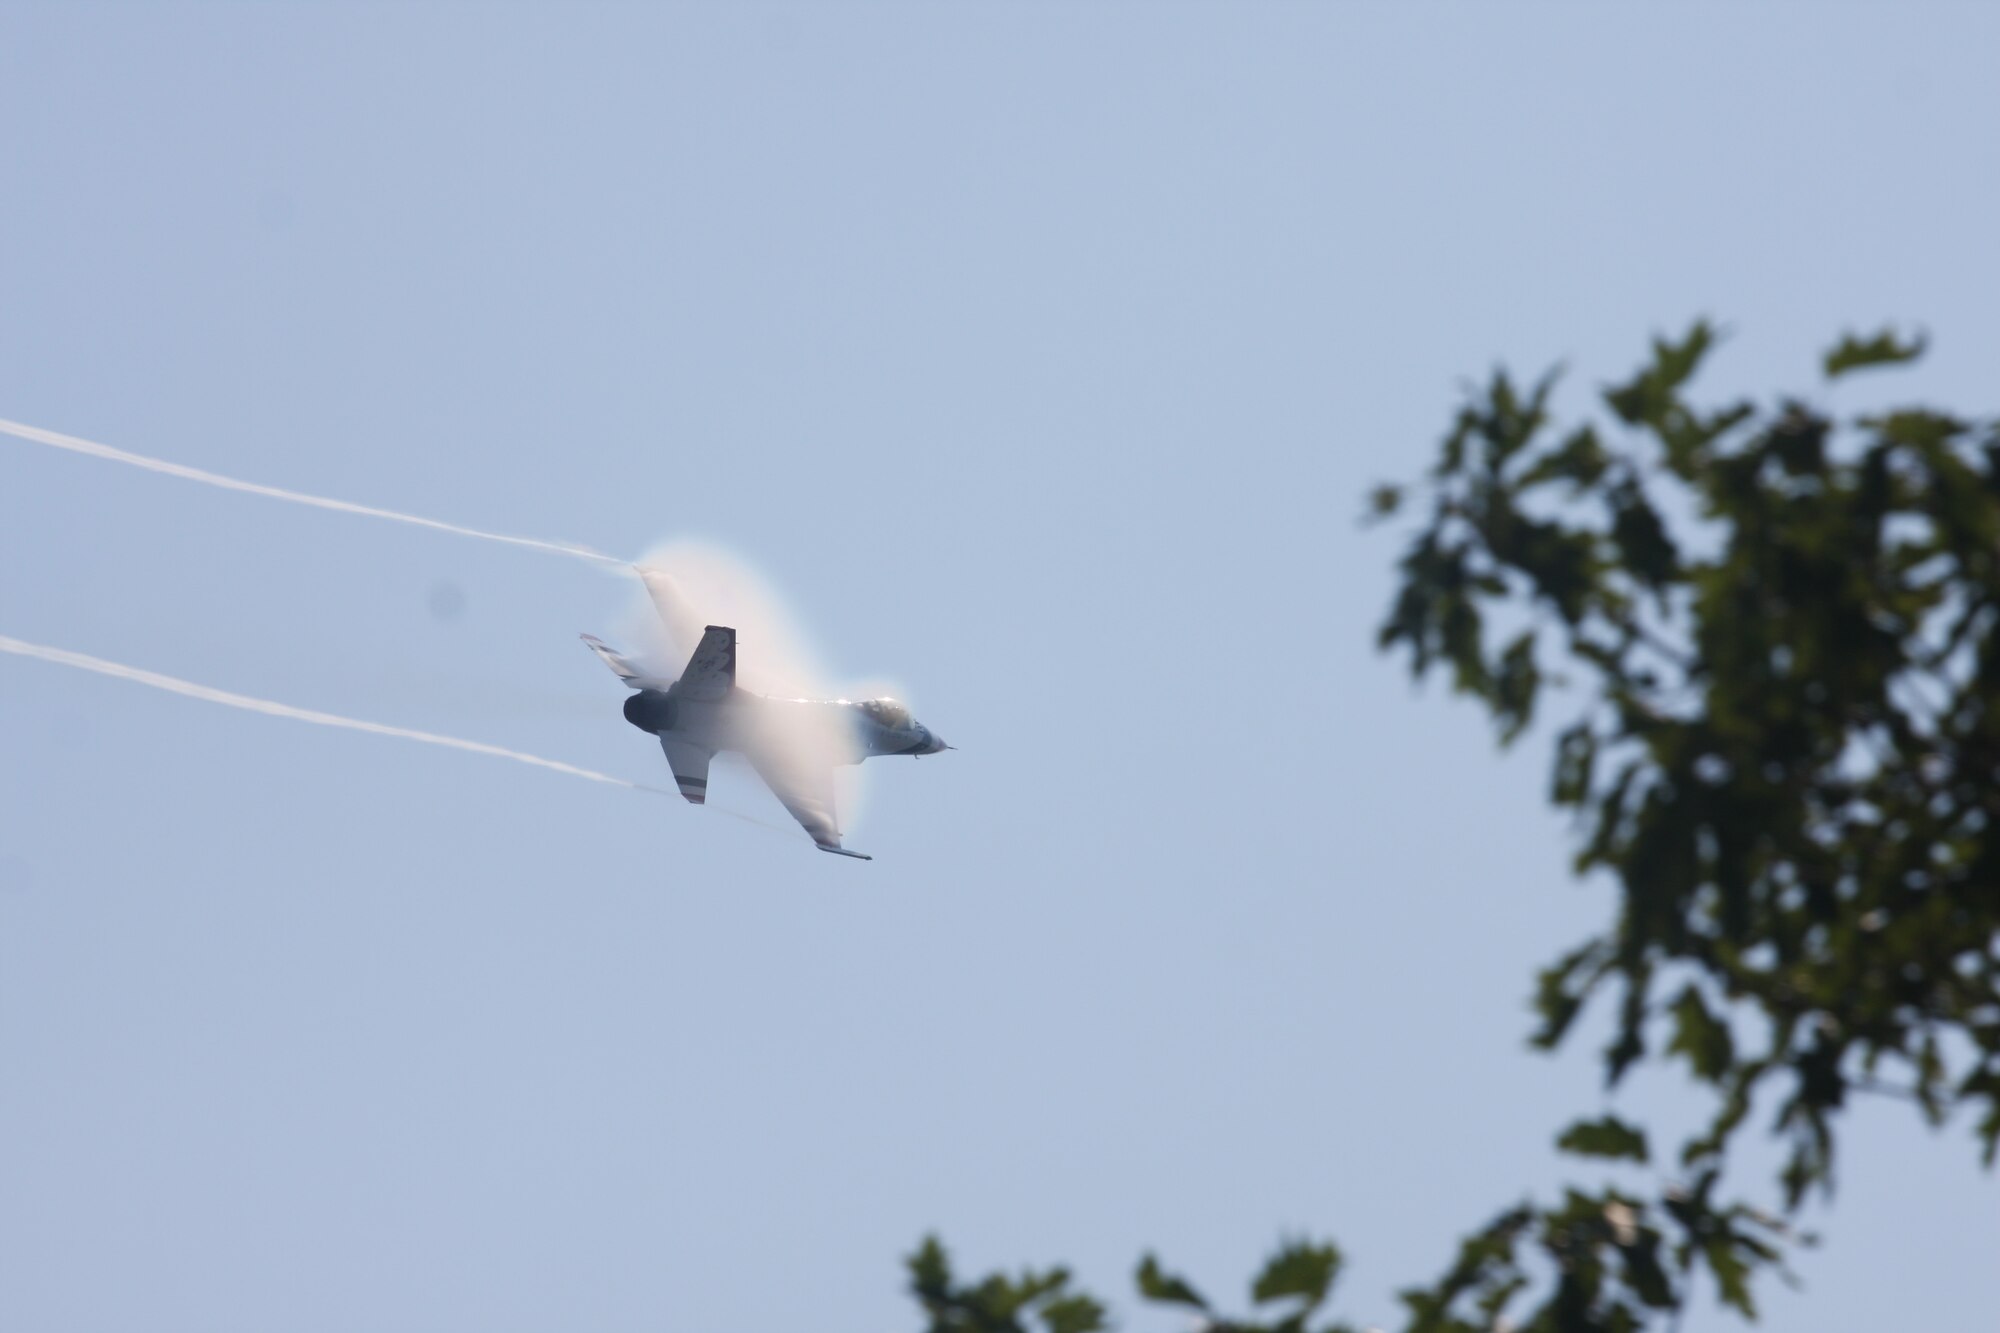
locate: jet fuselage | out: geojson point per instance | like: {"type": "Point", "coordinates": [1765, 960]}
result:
{"type": "Point", "coordinates": [854, 731]}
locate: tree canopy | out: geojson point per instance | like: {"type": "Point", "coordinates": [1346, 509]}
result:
{"type": "Point", "coordinates": [1771, 642]}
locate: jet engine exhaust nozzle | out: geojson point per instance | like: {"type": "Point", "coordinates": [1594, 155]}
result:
{"type": "Point", "coordinates": [650, 711]}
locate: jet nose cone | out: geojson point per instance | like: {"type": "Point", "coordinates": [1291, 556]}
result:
{"type": "Point", "coordinates": [933, 743]}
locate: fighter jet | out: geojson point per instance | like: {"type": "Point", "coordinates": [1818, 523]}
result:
{"type": "Point", "coordinates": [794, 744]}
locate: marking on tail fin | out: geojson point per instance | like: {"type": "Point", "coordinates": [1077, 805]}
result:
{"type": "Point", "coordinates": [711, 672]}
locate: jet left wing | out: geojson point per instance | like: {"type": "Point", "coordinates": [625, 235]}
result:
{"type": "Point", "coordinates": [808, 795]}
{"type": "Point", "coordinates": [690, 764]}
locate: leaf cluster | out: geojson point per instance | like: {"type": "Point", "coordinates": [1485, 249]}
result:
{"type": "Point", "coordinates": [1296, 1281]}
{"type": "Point", "coordinates": [1615, 1263]}
{"type": "Point", "coordinates": [1034, 1302]}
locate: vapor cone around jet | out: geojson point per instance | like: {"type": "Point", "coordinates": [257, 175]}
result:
{"type": "Point", "coordinates": [694, 692]}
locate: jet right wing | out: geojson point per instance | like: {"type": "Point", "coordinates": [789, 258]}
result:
{"type": "Point", "coordinates": [808, 795]}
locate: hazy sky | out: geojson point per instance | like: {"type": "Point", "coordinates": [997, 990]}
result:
{"type": "Point", "coordinates": [1041, 356]}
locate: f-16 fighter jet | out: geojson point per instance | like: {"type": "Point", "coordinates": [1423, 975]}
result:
{"type": "Point", "coordinates": [794, 744]}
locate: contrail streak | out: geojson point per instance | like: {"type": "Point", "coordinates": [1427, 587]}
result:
{"type": "Point", "coordinates": [271, 708]}
{"type": "Point", "coordinates": [118, 670]}
{"type": "Point", "coordinates": [36, 435]}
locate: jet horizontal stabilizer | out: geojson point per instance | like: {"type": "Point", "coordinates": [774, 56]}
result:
{"type": "Point", "coordinates": [838, 850]}
{"type": "Point", "coordinates": [625, 671]}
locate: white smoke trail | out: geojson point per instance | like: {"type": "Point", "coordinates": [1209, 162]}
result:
{"type": "Point", "coordinates": [269, 708]}
{"type": "Point", "coordinates": [36, 435]}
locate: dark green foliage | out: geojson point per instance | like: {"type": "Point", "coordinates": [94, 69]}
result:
{"type": "Point", "coordinates": [1299, 1276]}
{"type": "Point", "coordinates": [1772, 640]}
{"type": "Point", "coordinates": [998, 1304]}
{"type": "Point", "coordinates": [1701, 1038]}
{"type": "Point", "coordinates": [1782, 636]}
{"type": "Point", "coordinates": [1300, 1273]}
{"type": "Point", "coordinates": [1605, 1137]}
{"type": "Point", "coordinates": [1156, 1285]}
{"type": "Point", "coordinates": [1882, 349]}
{"type": "Point", "coordinates": [1617, 1263]}
{"type": "Point", "coordinates": [1299, 1269]}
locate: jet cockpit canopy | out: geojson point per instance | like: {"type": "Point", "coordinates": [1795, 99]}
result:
{"type": "Point", "coordinates": [887, 713]}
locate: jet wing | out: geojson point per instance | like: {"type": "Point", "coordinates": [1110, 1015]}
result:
{"type": "Point", "coordinates": [690, 765]}
{"type": "Point", "coordinates": [808, 794]}
{"type": "Point", "coordinates": [711, 672]}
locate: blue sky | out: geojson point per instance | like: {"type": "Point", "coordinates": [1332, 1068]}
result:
{"type": "Point", "coordinates": [1041, 356]}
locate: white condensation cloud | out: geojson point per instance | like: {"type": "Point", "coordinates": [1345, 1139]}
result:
{"type": "Point", "coordinates": [689, 585]}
